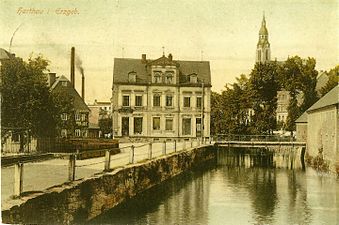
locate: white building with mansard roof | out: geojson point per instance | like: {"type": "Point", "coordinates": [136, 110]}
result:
{"type": "Point", "coordinates": [161, 98]}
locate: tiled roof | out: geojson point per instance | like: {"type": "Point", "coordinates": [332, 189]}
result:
{"type": "Point", "coordinates": [79, 103]}
{"type": "Point", "coordinates": [302, 118]}
{"type": "Point", "coordinates": [123, 66]}
{"type": "Point", "coordinates": [331, 98]}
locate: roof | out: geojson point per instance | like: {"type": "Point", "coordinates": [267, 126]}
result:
{"type": "Point", "coordinates": [302, 118]}
{"type": "Point", "coordinates": [321, 81]}
{"type": "Point", "coordinates": [79, 103]}
{"type": "Point", "coordinates": [331, 98]}
{"type": "Point", "coordinates": [123, 66]}
{"type": "Point", "coordinates": [4, 54]}
{"type": "Point", "coordinates": [263, 29]}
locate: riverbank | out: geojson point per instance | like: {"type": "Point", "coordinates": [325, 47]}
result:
{"type": "Point", "coordinates": [82, 200]}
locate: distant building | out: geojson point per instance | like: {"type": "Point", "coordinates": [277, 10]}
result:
{"type": "Point", "coordinates": [98, 110]}
{"type": "Point", "coordinates": [301, 128]}
{"type": "Point", "coordinates": [161, 98]}
{"type": "Point", "coordinates": [74, 122]}
{"type": "Point", "coordinates": [263, 53]}
{"type": "Point", "coordinates": [322, 128]}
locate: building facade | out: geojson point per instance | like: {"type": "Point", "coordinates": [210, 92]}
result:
{"type": "Point", "coordinates": [74, 121]}
{"type": "Point", "coordinates": [161, 99]}
{"type": "Point", "coordinates": [98, 110]}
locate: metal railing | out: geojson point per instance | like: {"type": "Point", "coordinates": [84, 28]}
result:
{"type": "Point", "coordinates": [77, 169]}
{"type": "Point", "coordinates": [252, 138]}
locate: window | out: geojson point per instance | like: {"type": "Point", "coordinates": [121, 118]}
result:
{"type": "Point", "coordinates": [63, 133]}
{"type": "Point", "coordinates": [15, 137]}
{"type": "Point", "coordinates": [83, 117]}
{"type": "Point", "coordinates": [156, 100]}
{"type": "Point", "coordinates": [77, 117]}
{"type": "Point", "coordinates": [125, 100]}
{"type": "Point", "coordinates": [169, 124]}
{"type": "Point", "coordinates": [266, 54]}
{"type": "Point", "coordinates": [157, 77]}
{"type": "Point", "coordinates": [169, 78]}
{"type": "Point", "coordinates": [64, 116]}
{"type": "Point", "coordinates": [199, 102]}
{"type": "Point", "coordinates": [138, 100]}
{"type": "Point", "coordinates": [193, 78]}
{"type": "Point", "coordinates": [186, 126]}
{"type": "Point", "coordinates": [187, 101]}
{"type": "Point", "coordinates": [259, 55]}
{"type": "Point", "coordinates": [132, 77]}
{"type": "Point", "coordinates": [156, 123]}
{"type": "Point", "coordinates": [77, 133]}
{"type": "Point", "coordinates": [169, 101]}
{"type": "Point", "coordinates": [64, 83]}
{"type": "Point", "coordinates": [137, 125]}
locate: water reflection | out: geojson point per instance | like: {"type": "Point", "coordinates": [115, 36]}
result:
{"type": "Point", "coordinates": [243, 188]}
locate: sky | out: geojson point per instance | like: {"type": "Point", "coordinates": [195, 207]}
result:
{"type": "Point", "coordinates": [224, 32]}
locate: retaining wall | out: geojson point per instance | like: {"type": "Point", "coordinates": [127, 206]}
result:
{"type": "Point", "coordinates": [82, 200]}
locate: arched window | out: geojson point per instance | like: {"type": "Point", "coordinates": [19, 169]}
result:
{"type": "Point", "coordinates": [267, 52]}
{"type": "Point", "coordinates": [259, 55]}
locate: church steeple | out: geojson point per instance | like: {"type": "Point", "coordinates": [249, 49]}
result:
{"type": "Point", "coordinates": [263, 47]}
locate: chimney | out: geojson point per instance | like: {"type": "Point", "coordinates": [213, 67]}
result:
{"type": "Point", "coordinates": [51, 79]}
{"type": "Point", "coordinates": [83, 87]}
{"type": "Point", "coordinates": [170, 57]}
{"type": "Point", "coordinates": [72, 66]}
{"type": "Point", "coordinates": [143, 58]}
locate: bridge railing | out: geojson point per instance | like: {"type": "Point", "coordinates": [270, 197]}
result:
{"type": "Point", "coordinates": [71, 166]}
{"type": "Point", "coordinates": [252, 138]}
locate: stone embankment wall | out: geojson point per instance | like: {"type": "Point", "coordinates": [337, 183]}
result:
{"type": "Point", "coordinates": [82, 200]}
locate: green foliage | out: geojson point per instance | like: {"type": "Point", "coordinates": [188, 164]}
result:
{"type": "Point", "coordinates": [264, 85]}
{"type": "Point", "coordinates": [26, 100]}
{"type": "Point", "coordinates": [293, 113]}
{"type": "Point", "coordinates": [298, 76]}
{"type": "Point", "coordinates": [229, 110]}
{"type": "Point", "coordinates": [333, 79]}
{"type": "Point", "coordinates": [105, 125]}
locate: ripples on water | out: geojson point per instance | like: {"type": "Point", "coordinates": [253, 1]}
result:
{"type": "Point", "coordinates": [242, 188]}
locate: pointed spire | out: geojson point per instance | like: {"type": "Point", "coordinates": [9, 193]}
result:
{"type": "Point", "coordinates": [163, 50]}
{"type": "Point", "coordinates": [263, 29]}
{"type": "Point", "coordinates": [263, 19]}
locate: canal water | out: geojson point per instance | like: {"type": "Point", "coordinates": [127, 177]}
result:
{"type": "Point", "coordinates": [240, 188]}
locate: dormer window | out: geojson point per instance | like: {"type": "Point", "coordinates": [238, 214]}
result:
{"type": "Point", "coordinates": [132, 77]}
{"type": "Point", "coordinates": [193, 78]}
{"type": "Point", "coordinates": [157, 77]}
{"type": "Point", "coordinates": [64, 83]}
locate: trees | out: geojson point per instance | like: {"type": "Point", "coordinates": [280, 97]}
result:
{"type": "Point", "coordinates": [333, 79]}
{"type": "Point", "coordinates": [299, 77]}
{"type": "Point", "coordinates": [263, 87]}
{"type": "Point", "coordinates": [26, 100]}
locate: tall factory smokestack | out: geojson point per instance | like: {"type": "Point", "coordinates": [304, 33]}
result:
{"type": "Point", "coordinates": [72, 66]}
{"type": "Point", "coordinates": [83, 87]}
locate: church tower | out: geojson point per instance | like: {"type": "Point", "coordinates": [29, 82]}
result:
{"type": "Point", "coordinates": [263, 47]}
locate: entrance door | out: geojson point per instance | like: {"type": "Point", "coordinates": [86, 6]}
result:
{"type": "Point", "coordinates": [125, 126]}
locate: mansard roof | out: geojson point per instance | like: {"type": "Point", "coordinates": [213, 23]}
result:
{"type": "Point", "coordinates": [122, 66]}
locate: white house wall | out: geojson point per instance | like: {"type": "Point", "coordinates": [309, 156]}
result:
{"type": "Point", "coordinates": [322, 132]}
